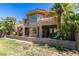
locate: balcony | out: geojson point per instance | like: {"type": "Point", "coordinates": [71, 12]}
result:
{"type": "Point", "coordinates": [43, 21]}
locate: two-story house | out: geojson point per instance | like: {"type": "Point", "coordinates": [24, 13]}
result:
{"type": "Point", "coordinates": [39, 24]}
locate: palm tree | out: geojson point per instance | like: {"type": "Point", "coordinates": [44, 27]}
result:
{"type": "Point", "coordinates": [74, 25]}
{"type": "Point", "coordinates": [59, 9]}
{"type": "Point", "coordinates": [70, 25]}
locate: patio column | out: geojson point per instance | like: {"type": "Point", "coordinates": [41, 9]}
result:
{"type": "Point", "coordinates": [40, 31]}
{"type": "Point", "coordinates": [23, 30]}
{"type": "Point", "coordinates": [36, 31]}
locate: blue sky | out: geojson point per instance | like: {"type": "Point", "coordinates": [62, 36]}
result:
{"type": "Point", "coordinates": [19, 10]}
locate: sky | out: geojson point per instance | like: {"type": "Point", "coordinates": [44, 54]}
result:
{"type": "Point", "coordinates": [19, 10]}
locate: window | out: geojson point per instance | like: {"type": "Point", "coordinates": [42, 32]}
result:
{"type": "Point", "coordinates": [33, 30]}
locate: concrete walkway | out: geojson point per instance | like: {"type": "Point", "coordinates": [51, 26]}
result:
{"type": "Point", "coordinates": [20, 41]}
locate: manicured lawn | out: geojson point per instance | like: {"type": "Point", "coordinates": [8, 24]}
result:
{"type": "Point", "coordinates": [12, 47]}
{"type": "Point", "coordinates": [6, 46]}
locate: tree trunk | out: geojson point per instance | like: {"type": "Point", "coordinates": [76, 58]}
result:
{"type": "Point", "coordinates": [59, 22]}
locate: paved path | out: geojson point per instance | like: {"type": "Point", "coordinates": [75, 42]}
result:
{"type": "Point", "coordinates": [20, 41]}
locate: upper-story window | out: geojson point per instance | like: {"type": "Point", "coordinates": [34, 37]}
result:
{"type": "Point", "coordinates": [32, 18]}
{"type": "Point", "coordinates": [35, 17]}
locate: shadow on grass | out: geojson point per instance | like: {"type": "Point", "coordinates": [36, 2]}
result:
{"type": "Point", "coordinates": [59, 49]}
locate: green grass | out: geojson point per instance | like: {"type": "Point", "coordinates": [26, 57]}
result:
{"type": "Point", "coordinates": [6, 46]}
{"type": "Point", "coordinates": [12, 48]}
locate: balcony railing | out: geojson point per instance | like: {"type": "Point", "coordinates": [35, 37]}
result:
{"type": "Point", "coordinates": [43, 21]}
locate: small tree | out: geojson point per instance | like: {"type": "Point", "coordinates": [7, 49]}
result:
{"type": "Point", "coordinates": [9, 24]}
{"type": "Point", "coordinates": [59, 9]}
